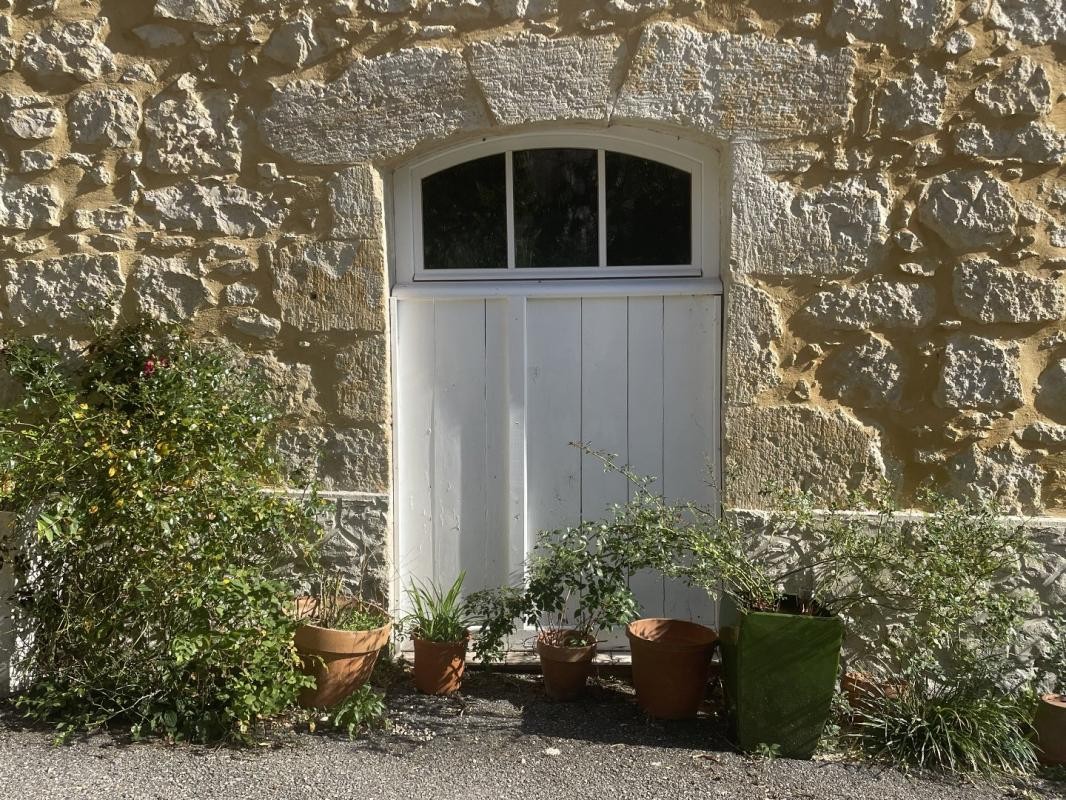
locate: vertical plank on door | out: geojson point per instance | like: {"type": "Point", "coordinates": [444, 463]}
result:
{"type": "Point", "coordinates": [553, 414]}
{"type": "Point", "coordinates": [496, 557]}
{"type": "Point", "coordinates": [645, 422]}
{"type": "Point", "coordinates": [459, 448]}
{"type": "Point", "coordinates": [691, 351]}
{"type": "Point", "coordinates": [414, 439]}
{"type": "Point", "coordinates": [604, 401]}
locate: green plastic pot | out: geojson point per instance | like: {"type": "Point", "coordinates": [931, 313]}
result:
{"type": "Point", "coordinates": [779, 673]}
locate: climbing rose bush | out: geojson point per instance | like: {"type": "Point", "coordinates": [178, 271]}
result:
{"type": "Point", "coordinates": [153, 569]}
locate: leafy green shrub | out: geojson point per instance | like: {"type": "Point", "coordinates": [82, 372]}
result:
{"type": "Point", "coordinates": [154, 590]}
{"type": "Point", "coordinates": [437, 614]}
{"type": "Point", "coordinates": [365, 707]}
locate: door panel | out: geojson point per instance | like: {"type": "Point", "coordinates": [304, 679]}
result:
{"type": "Point", "coordinates": [490, 394]}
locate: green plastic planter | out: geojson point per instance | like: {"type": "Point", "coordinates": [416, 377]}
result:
{"type": "Point", "coordinates": [779, 672]}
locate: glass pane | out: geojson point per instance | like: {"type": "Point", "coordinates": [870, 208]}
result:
{"type": "Point", "coordinates": [649, 212]}
{"type": "Point", "coordinates": [464, 216]}
{"type": "Point", "coordinates": [555, 208]}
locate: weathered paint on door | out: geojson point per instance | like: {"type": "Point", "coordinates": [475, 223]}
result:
{"type": "Point", "coordinates": [492, 391]}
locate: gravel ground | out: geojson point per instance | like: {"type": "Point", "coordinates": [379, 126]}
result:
{"type": "Point", "coordinates": [501, 738]}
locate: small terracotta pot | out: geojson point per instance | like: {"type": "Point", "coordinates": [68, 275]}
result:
{"type": "Point", "coordinates": [1050, 726]}
{"type": "Point", "coordinates": [566, 669]}
{"type": "Point", "coordinates": [671, 664]}
{"type": "Point", "coordinates": [340, 661]}
{"type": "Point", "coordinates": [862, 689]}
{"type": "Point", "coordinates": [439, 666]}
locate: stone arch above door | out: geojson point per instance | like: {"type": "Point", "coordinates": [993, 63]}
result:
{"type": "Point", "coordinates": [741, 94]}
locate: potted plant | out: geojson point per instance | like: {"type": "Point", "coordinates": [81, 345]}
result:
{"type": "Point", "coordinates": [439, 625]}
{"type": "Point", "coordinates": [338, 640]}
{"type": "Point", "coordinates": [577, 585]}
{"type": "Point", "coordinates": [1049, 722]}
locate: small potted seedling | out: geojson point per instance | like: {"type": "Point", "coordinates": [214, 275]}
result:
{"type": "Point", "coordinates": [339, 641]}
{"type": "Point", "coordinates": [439, 626]}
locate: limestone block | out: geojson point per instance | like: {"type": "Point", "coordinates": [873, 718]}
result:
{"type": "Point", "coordinates": [988, 293]}
{"type": "Point", "coordinates": [915, 24]}
{"type": "Point", "coordinates": [295, 43]}
{"type": "Point", "coordinates": [29, 206]}
{"type": "Point", "coordinates": [155, 36]}
{"type": "Point", "coordinates": [73, 49]}
{"type": "Point", "coordinates": [214, 206]}
{"type": "Point", "coordinates": [209, 12]}
{"type": "Point", "coordinates": [736, 86]}
{"type": "Point", "coordinates": [531, 78]}
{"type": "Point", "coordinates": [797, 447]}
{"type": "Point", "coordinates": [1022, 88]}
{"type": "Point", "coordinates": [29, 116]}
{"type": "Point", "coordinates": [363, 380]}
{"type": "Point", "coordinates": [256, 324]}
{"type": "Point", "coordinates": [913, 105]}
{"type": "Point", "coordinates": [109, 117]}
{"type": "Point", "coordinates": [240, 294]}
{"type": "Point", "coordinates": [752, 326]}
{"type": "Point", "coordinates": [113, 219]}
{"type": "Point", "coordinates": [357, 543]}
{"type": "Point", "coordinates": [390, 6]}
{"type": "Point", "coordinates": [355, 200]}
{"type": "Point", "coordinates": [356, 459]}
{"type": "Point", "coordinates": [192, 131]}
{"type": "Point", "coordinates": [1005, 474]}
{"type": "Point", "coordinates": [378, 108]}
{"type": "Point", "coordinates": [169, 289]}
{"type": "Point", "coordinates": [1031, 21]}
{"type": "Point", "coordinates": [324, 286]}
{"type": "Point", "coordinates": [869, 374]}
{"type": "Point", "coordinates": [457, 12]}
{"type": "Point", "coordinates": [1042, 434]}
{"type": "Point", "coordinates": [969, 209]}
{"type": "Point", "coordinates": [837, 229]}
{"type": "Point", "coordinates": [72, 290]}
{"type": "Point", "coordinates": [525, 9]}
{"type": "Point", "coordinates": [979, 373]}
{"type": "Point", "coordinates": [1033, 143]}
{"type": "Point", "coordinates": [290, 385]}
{"type": "Point", "coordinates": [34, 160]}
{"type": "Point", "coordinates": [878, 303]}
{"type": "Point", "coordinates": [1051, 391]}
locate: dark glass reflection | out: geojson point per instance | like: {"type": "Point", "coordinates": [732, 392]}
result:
{"type": "Point", "coordinates": [555, 208]}
{"type": "Point", "coordinates": [464, 216]}
{"type": "Point", "coordinates": [649, 212]}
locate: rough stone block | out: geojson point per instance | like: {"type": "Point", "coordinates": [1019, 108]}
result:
{"type": "Point", "coordinates": [214, 206]}
{"type": "Point", "coordinates": [363, 380]}
{"type": "Point", "coordinates": [1031, 21]}
{"type": "Point", "coordinates": [29, 116]}
{"type": "Point", "coordinates": [1051, 390]}
{"type": "Point", "coordinates": [1022, 89]}
{"type": "Point", "coordinates": [913, 105]}
{"type": "Point", "coordinates": [797, 447]}
{"type": "Point", "coordinates": [66, 292]}
{"type": "Point", "coordinates": [356, 199]}
{"type": "Point", "coordinates": [988, 293]}
{"type": "Point", "coordinates": [209, 12]}
{"type": "Point", "coordinates": [29, 206]}
{"type": "Point", "coordinates": [169, 289]}
{"type": "Point", "coordinates": [969, 209]}
{"type": "Point", "coordinates": [732, 86]}
{"type": "Point", "coordinates": [1004, 474]}
{"type": "Point", "coordinates": [752, 326]}
{"type": "Point", "coordinates": [866, 375]}
{"type": "Point", "coordinates": [109, 117]}
{"type": "Point", "coordinates": [73, 49]}
{"type": "Point", "coordinates": [192, 131]}
{"type": "Point", "coordinates": [378, 108]}
{"type": "Point", "coordinates": [979, 373]}
{"type": "Point", "coordinates": [327, 286]}
{"type": "Point", "coordinates": [876, 304]}
{"type": "Point", "coordinates": [531, 78]}
{"type": "Point", "coordinates": [290, 385]}
{"type": "Point", "coordinates": [915, 24]}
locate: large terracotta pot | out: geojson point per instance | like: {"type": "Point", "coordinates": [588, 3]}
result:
{"type": "Point", "coordinates": [439, 666]}
{"type": "Point", "coordinates": [340, 661]}
{"type": "Point", "coordinates": [1050, 726]}
{"type": "Point", "coordinates": [566, 669]}
{"type": "Point", "coordinates": [671, 663]}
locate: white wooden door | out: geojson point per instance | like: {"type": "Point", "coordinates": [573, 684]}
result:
{"type": "Point", "coordinates": [491, 391]}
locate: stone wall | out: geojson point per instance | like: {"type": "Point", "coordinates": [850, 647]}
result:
{"type": "Point", "coordinates": [896, 230]}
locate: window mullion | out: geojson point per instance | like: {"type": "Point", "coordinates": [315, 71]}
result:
{"type": "Point", "coordinates": [509, 192]}
{"type": "Point", "coordinates": [601, 209]}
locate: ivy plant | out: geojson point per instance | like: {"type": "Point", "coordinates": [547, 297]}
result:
{"type": "Point", "coordinates": [153, 590]}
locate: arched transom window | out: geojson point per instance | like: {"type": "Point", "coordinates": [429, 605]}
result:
{"type": "Point", "coordinates": [558, 206]}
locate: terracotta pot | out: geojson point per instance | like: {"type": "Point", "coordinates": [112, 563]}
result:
{"type": "Point", "coordinates": [671, 663]}
{"type": "Point", "coordinates": [340, 661]}
{"type": "Point", "coordinates": [566, 669]}
{"type": "Point", "coordinates": [861, 689]}
{"type": "Point", "coordinates": [439, 666]}
{"type": "Point", "coordinates": [1050, 726]}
